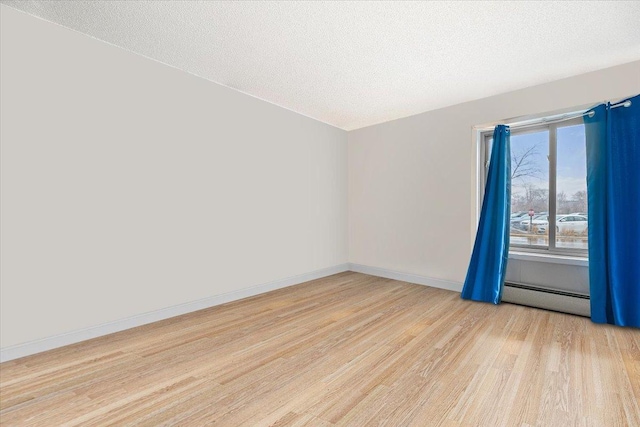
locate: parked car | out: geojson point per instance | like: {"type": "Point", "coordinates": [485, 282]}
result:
{"type": "Point", "coordinates": [517, 218]}
{"type": "Point", "coordinates": [542, 219]}
{"type": "Point", "coordinates": [572, 224]}
{"type": "Point", "coordinates": [566, 225]}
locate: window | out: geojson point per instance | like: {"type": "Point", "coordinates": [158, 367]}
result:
{"type": "Point", "coordinates": [548, 187]}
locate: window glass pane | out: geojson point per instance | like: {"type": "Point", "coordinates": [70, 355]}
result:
{"type": "Point", "coordinates": [571, 188]}
{"type": "Point", "coordinates": [530, 188]}
{"type": "Point", "coordinates": [487, 159]}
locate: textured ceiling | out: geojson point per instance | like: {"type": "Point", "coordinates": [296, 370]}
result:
{"type": "Point", "coordinates": [353, 64]}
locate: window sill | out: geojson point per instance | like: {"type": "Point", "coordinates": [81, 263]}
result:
{"type": "Point", "coordinates": [548, 258]}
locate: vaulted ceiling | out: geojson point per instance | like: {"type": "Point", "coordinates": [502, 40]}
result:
{"type": "Point", "coordinates": [353, 64]}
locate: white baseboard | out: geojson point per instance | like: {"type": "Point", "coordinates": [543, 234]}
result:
{"type": "Point", "coordinates": [56, 341]}
{"type": "Point", "coordinates": [406, 277]}
{"type": "Point", "coordinates": [49, 343]}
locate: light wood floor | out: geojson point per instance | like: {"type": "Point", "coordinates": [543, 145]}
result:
{"type": "Point", "coordinates": [349, 349]}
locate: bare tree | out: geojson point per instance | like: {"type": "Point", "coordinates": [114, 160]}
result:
{"type": "Point", "coordinates": [531, 198]}
{"type": "Point", "coordinates": [580, 197]}
{"type": "Point", "coordinates": [563, 205]}
{"type": "Point", "coordinates": [522, 164]}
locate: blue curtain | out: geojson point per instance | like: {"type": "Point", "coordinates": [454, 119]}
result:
{"type": "Point", "coordinates": [613, 192]}
{"type": "Point", "coordinates": [485, 277]}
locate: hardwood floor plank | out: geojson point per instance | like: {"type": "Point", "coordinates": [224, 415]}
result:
{"type": "Point", "coordinates": [346, 350]}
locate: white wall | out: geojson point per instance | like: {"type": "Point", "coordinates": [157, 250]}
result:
{"type": "Point", "coordinates": [412, 182]}
{"type": "Point", "coordinates": [129, 186]}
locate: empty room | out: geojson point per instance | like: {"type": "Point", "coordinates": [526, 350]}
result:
{"type": "Point", "coordinates": [319, 213]}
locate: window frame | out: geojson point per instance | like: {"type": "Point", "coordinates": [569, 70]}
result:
{"type": "Point", "coordinates": [552, 128]}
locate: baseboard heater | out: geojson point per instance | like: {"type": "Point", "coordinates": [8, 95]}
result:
{"type": "Point", "coordinates": [549, 299]}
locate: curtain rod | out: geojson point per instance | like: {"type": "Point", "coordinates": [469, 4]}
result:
{"type": "Point", "coordinates": [564, 117]}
